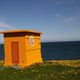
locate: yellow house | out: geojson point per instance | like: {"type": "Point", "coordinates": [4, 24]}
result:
{"type": "Point", "coordinates": [22, 48]}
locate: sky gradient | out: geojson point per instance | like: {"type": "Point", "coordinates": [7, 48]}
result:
{"type": "Point", "coordinates": [59, 20]}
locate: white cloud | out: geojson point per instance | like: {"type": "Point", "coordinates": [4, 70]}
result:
{"type": "Point", "coordinates": [67, 19]}
{"type": "Point", "coordinates": [72, 19]}
{"type": "Point", "coordinates": [58, 15]}
{"type": "Point", "coordinates": [61, 2]}
{"type": "Point", "coordinates": [58, 2]}
{"type": "Point", "coordinates": [5, 26]}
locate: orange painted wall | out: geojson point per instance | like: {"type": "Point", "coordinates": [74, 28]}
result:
{"type": "Point", "coordinates": [8, 55]}
{"type": "Point", "coordinates": [33, 53]}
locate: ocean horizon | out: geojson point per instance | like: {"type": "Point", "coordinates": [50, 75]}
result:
{"type": "Point", "coordinates": [67, 50]}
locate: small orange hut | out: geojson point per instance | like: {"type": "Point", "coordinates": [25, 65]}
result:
{"type": "Point", "coordinates": [22, 48]}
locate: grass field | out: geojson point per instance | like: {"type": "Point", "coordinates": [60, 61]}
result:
{"type": "Point", "coordinates": [49, 70]}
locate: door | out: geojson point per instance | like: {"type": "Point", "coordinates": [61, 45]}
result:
{"type": "Point", "coordinates": [15, 52]}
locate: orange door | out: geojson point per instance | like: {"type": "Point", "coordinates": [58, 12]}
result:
{"type": "Point", "coordinates": [15, 52]}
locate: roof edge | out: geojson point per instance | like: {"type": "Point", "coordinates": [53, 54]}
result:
{"type": "Point", "coordinates": [17, 31]}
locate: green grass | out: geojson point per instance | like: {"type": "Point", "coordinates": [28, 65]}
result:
{"type": "Point", "coordinates": [45, 71]}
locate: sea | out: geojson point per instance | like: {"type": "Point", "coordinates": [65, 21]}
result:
{"type": "Point", "coordinates": [56, 50]}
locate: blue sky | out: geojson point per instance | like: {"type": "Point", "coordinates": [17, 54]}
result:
{"type": "Point", "coordinates": [59, 20]}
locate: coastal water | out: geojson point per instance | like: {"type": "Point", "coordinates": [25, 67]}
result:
{"type": "Point", "coordinates": [1, 51]}
{"type": "Point", "coordinates": [56, 50]}
{"type": "Point", "coordinates": [61, 50]}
